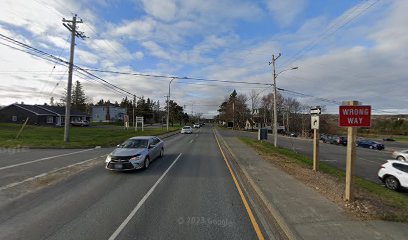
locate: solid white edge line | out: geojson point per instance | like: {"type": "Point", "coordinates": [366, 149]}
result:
{"type": "Point", "coordinates": [46, 158]}
{"type": "Point", "coordinates": [141, 202]}
{"type": "Point", "coordinates": [47, 173]}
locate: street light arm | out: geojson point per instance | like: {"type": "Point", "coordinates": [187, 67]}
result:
{"type": "Point", "coordinates": [289, 69]}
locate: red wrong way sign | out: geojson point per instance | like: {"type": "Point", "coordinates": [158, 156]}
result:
{"type": "Point", "coordinates": [355, 116]}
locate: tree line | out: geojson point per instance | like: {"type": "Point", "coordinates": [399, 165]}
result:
{"type": "Point", "coordinates": [254, 108]}
{"type": "Point", "coordinates": [150, 110]}
{"type": "Point", "coordinates": [294, 116]}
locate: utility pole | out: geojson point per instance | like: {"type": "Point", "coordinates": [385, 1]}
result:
{"type": "Point", "coordinates": [168, 111]}
{"type": "Point", "coordinates": [275, 116]}
{"type": "Point", "coordinates": [71, 26]}
{"type": "Point", "coordinates": [168, 105]}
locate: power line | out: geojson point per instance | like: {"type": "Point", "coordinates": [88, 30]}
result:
{"type": "Point", "coordinates": [175, 77]}
{"type": "Point", "coordinates": [54, 59]}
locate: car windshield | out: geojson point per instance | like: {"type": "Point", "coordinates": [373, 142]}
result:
{"type": "Point", "coordinates": [134, 143]}
{"type": "Point", "coordinates": [186, 127]}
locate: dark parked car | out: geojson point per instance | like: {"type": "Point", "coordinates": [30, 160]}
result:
{"type": "Point", "coordinates": [389, 139]}
{"type": "Point", "coordinates": [370, 144]}
{"type": "Point", "coordinates": [324, 138]}
{"type": "Point", "coordinates": [332, 140]}
{"type": "Point", "coordinates": [342, 140]}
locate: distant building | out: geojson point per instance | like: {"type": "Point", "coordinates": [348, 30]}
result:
{"type": "Point", "coordinates": [108, 113]}
{"type": "Point", "coordinates": [38, 114]}
{"type": "Point", "coordinates": [255, 124]}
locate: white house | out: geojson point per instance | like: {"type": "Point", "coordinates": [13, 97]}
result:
{"type": "Point", "coordinates": [108, 113]}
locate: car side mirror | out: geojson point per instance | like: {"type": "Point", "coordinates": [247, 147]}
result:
{"type": "Point", "coordinates": [151, 146]}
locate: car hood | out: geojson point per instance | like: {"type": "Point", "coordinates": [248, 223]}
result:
{"type": "Point", "coordinates": [122, 152]}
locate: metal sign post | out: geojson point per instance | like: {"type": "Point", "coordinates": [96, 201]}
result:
{"type": "Point", "coordinates": [352, 116]}
{"type": "Point", "coordinates": [316, 136]}
{"type": "Point", "coordinates": [139, 120]}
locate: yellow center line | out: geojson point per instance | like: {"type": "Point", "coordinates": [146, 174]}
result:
{"type": "Point", "coordinates": [248, 209]}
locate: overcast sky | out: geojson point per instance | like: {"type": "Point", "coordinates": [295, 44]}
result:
{"type": "Point", "coordinates": [345, 49]}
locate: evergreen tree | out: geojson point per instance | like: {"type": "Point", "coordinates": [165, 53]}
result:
{"type": "Point", "coordinates": [78, 98]}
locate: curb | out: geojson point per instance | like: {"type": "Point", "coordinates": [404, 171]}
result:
{"type": "Point", "coordinates": [271, 208]}
{"type": "Point", "coordinates": [169, 134]}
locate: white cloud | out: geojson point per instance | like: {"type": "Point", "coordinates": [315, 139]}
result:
{"type": "Point", "coordinates": [58, 41]}
{"type": "Point", "coordinates": [285, 12]}
{"type": "Point", "coordinates": [138, 29]}
{"type": "Point", "coordinates": [163, 10]}
{"type": "Point", "coordinates": [138, 55]}
{"type": "Point", "coordinates": [87, 57]}
{"type": "Point", "coordinates": [156, 50]}
{"type": "Point", "coordinates": [112, 50]}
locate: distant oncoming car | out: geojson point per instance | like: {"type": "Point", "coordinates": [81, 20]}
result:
{"type": "Point", "coordinates": [292, 134]}
{"type": "Point", "coordinates": [401, 155]}
{"type": "Point", "coordinates": [370, 144]}
{"type": "Point", "coordinates": [82, 123]}
{"type": "Point", "coordinates": [196, 125]}
{"type": "Point", "coordinates": [394, 174]}
{"type": "Point", "coordinates": [135, 153]}
{"type": "Point", "coordinates": [187, 129]}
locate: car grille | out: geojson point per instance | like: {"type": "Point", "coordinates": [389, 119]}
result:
{"type": "Point", "coordinates": [120, 159]}
{"type": "Point", "coordinates": [127, 165]}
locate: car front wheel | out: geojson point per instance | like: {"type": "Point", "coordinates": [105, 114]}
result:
{"type": "Point", "coordinates": [161, 153]}
{"type": "Point", "coordinates": [391, 183]}
{"type": "Point", "coordinates": [146, 163]}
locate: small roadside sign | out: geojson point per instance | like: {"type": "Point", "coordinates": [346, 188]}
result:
{"type": "Point", "coordinates": [316, 110]}
{"type": "Point", "coordinates": [354, 116]}
{"type": "Point", "coordinates": [315, 121]}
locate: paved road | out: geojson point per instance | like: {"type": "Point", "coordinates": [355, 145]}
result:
{"type": "Point", "coordinates": [188, 194]}
{"type": "Point", "coordinates": [20, 164]}
{"type": "Point", "coordinates": [367, 164]}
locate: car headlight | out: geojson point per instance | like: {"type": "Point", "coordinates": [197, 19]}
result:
{"type": "Point", "coordinates": [136, 157]}
{"type": "Point", "coordinates": [108, 158]}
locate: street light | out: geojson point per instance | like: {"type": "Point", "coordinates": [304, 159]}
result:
{"type": "Point", "coordinates": [168, 105]}
{"type": "Point", "coordinates": [275, 117]}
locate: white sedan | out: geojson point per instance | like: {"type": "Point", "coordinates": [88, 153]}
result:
{"type": "Point", "coordinates": [394, 174]}
{"type": "Point", "coordinates": [187, 130]}
{"type": "Point", "coordinates": [401, 155]}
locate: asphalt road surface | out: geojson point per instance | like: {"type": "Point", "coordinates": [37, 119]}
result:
{"type": "Point", "coordinates": [187, 194]}
{"type": "Point", "coordinates": [366, 166]}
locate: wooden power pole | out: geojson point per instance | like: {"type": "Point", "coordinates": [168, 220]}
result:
{"type": "Point", "coordinates": [71, 26]}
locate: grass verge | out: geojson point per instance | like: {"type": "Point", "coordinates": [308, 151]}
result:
{"type": "Point", "coordinates": [401, 138]}
{"type": "Point", "coordinates": [393, 206]}
{"type": "Point", "coordinates": [80, 137]}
